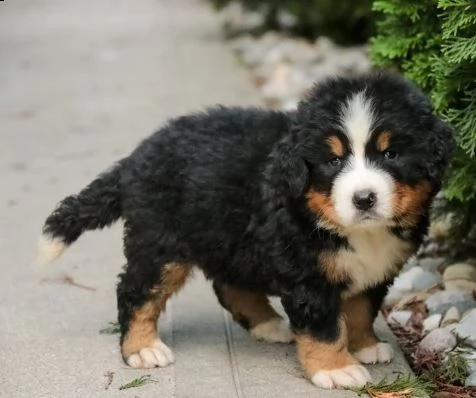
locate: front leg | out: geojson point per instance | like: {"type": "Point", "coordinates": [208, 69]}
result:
{"type": "Point", "coordinates": [360, 312]}
{"type": "Point", "coordinates": [321, 337]}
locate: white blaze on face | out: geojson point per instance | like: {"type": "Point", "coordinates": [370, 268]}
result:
{"type": "Point", "coordinates": [357, 118]}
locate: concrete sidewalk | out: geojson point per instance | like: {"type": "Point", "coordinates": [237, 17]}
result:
{"type": "Point", "coordinates": [81, 82]}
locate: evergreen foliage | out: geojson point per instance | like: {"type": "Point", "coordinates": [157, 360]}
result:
{"type": "Point", "coordinates": [433, 42]}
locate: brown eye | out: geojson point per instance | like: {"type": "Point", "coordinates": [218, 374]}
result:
{"type": "Point", "coordinates": [390, 155]}
{"type": "Point", "coordinates": [335, 162]}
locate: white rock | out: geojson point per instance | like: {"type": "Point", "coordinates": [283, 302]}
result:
{"type": "Point", "coordinates": [471, 379]}
{"type": "Point", "coordinates": [438, 340]}
{"type": "Point", "coordinates": [405, 280]}
{"type": "Point", "coordinates": [242, 43]}
{"type": "Point", "coordinates": [467, 327]}
{"type": "Point", "coordinates": [431, 323]}
{"type": "Point", "coordinates": [470, 360]}
{"type": "Point", "coordinates": [393, 297]}
{"type": "Point", "coordinates": [426, 280]}
{"type": "Point", "coordinates": [399, 317]}
{"type": "Point", "coordinates": [325, 44]}
{"type": "Point", "coordinates": [431, 264]}
{"type": "Point", "coordinates": [460, 276]}
{"type": "Point", "coordinates": [415, 278]}
{"type": "Point", "coordinates": [447, 296]}
{"type": "Point", "coordinates": [451, 316]}
{"type": "Point", "coordinates": [438, 229]}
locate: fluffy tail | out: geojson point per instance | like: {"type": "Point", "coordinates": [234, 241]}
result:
{"type": "Point", "coordinates": [96, 206]}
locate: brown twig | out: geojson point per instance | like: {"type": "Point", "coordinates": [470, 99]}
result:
{"type": "Point", "coordinates": [68, 280]}
{"type": "Point", "coordinates": [109, 377]}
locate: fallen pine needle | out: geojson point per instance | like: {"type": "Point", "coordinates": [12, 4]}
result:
{"type": "Point", "coordinates": [139, 382]}
{"type": "Point", "coordinates": [113, 328]}
{"type": "Point", "coordinates": [404, 386]}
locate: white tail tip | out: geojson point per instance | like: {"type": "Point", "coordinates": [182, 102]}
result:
{"type": "Point", "coordinates": [49, 249]}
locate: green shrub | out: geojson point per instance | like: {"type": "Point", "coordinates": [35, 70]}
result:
{"type": "Point", "coordinates": [433, 42]}
{"type": "Point", "coordinates": [345, 21]}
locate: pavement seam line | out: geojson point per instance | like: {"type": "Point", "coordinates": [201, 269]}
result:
{"type": "Point", "coordinates": [232, 356]}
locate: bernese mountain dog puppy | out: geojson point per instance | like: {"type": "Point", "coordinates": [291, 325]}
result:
{"type": "Point", "coordinates": [320, 207]}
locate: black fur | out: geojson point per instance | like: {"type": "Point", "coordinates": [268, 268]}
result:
{"type": "Point", "coordinates": [224, 190]}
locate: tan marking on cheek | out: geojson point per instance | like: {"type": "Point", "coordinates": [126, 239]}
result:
{"type": "Point", "coordinates": [249, 309]}
{"type": "Point", "coordinates": [143, 325]}
{"type": "Point", "coordinates": [315, 355]}
{"type": "Point", "coordinates": [410, 202]}
{"type": "Point", "coordinates": [383, 141]}
{"type": "Point", "coordinates": [358, 317]}
{"type": "Point", "coordinates": [322, 205]}
{"type": "Point", "coordinates": [328, 264]}
{"type": "Point", "coordinates": [336, 146]}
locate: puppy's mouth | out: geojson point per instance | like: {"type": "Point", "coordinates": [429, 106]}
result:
{"type": "Point", "coordinates": [368, 218]}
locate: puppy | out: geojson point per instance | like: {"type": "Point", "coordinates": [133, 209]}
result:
{"type": "Point", "coordinates": [320, 207]}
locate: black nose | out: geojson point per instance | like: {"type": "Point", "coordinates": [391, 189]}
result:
{"type": "Point", "coordinates": [364, 200]}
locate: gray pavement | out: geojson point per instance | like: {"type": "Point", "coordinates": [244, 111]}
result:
{"type": "Point", "coordinates": [81, 82]}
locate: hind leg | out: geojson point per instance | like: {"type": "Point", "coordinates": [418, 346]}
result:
{"type": "Point", "coordinates": [141, 295]}
{"type": "Point", "coordinates": [254, 312]}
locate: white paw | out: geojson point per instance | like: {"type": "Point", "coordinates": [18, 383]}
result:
{"type": "Point", "coordinates": [380, 352]}
{"type": "Point", "coordinates": [158, 355]}
{"type": "Point", "coordinates": [275, 330]}
{"type": "Point", "coordinates": [349, 376]}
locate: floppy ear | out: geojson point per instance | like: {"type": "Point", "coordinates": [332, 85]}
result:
{"type": "Point", "coordinates": [286, 173]}
{"type": "Point", "coordinates": [442, 146]}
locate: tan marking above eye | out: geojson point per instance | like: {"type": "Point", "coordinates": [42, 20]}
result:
{"type": "Point", "coordinates": [383, 141]}
{"type": "Point", "coordinates": [336, 146]}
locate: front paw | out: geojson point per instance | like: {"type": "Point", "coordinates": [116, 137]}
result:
{"type": "Point", "coordinates": [348, 376]}
{"type": "Point", "coordinates": [157, 354]}
{"type": "Point", "coordinates": [378, 353]}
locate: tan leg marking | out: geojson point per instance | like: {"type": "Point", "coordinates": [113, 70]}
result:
{"type": "Point", "coordinates": [330, 365]}
{"type": "Point", "coordinates": [143, 334]}
{"type": "Point", "coordinates": [254, 312]}
{"type": "Point", "coordinates": [363, 342]}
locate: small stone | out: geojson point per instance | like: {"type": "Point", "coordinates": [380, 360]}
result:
{"type": "Point", "coordinates": [325, 44]}
{"type": "Point", "coordinates": [462, 307]}
{"type": "Point", "coordinates": [471, 380]}
{"type": "Point", "coordinates": [470, 358]}
{"type": "Point", "coordinates": [393, 297]}
{"type": "Point", "coordinates": [431, 323]}
{"type": "Point", "coordinates": [426, 280]}
{"type": "Point", "coordinates": [447, 296]}
{"type": "Point", "coordinates": [451, 316]}
{"type": "Point", "coordinates": [438, 340]}
{"type": "Point", "coordinates": [466, 328]}
{"type": "Point", "coordinates": [460, 276]}
{"type": "Point", "coordinates": [431, 264]}
{"type": "Point", "coordinates": [405, 280]}
{"type": "Point", "coordinates": [415, 278]}
{"type": "Point", "coordinates": [431, 249]}
{"type": "Point", "coordinates": [438, 230]}
{"type": "Point", "coordinates": [399, 317]}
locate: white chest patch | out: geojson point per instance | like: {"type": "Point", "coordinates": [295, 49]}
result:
{"type": "Point", "coordinates": [374, 254]}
